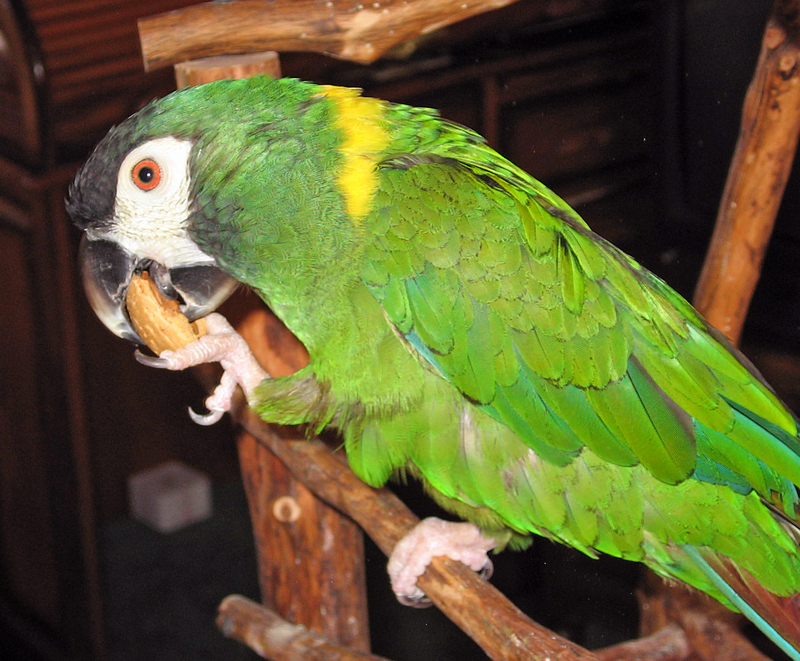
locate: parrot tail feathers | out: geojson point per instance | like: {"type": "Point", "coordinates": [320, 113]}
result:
{"type": "Point", "coordinates": [778, 617]}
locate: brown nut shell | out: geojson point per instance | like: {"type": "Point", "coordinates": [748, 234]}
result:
{"type": "Point", "coordinates": [158, 320]}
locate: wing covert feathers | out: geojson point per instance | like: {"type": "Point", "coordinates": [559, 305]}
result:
{"type": "Point", "coordinates": [568, 391]}
{"type": "Point", "coordinates": [554, 332]}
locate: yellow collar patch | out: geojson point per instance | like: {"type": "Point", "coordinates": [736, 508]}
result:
{"type": "Point", "coordinates": [361, 121]}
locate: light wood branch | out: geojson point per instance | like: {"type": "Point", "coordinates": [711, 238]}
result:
{"type": "Point", "coordinates": [346, 29]}
{"type": "Point", "coordinates": [272, 637]}
{"type": "Point", "coordinates": [757, 176]}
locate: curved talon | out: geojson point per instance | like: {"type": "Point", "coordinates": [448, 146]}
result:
{"type": "Point", "coordinates": [487, 571]}
{"type": "Point", "coordinates": [415, 602]}
{"type": "Point", "coordinates": [150, 361]}
{"type": "Point", "coordinates": [207, 419]}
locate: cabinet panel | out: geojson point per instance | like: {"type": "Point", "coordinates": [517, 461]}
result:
{"type": "Point", "coordinates": [25, 518]}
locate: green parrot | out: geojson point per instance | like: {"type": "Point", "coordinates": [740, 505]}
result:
{"type": "Point", "coordinates": [464, 326]}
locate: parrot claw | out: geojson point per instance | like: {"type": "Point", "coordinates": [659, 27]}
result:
{"type": "Point", "coordinates": [419, 600]}
{"type": "Point", "coordinates": [207, 419]}
{"type": "Point", "coordinates": [150, 361]}
{"type": "Point", "coordinates": [430, 538]}
{"type": "Point", "coordinates": [415, 600]}
{"type": "Point", "coordinates": [224, 345]}
{"type": "Point", "coordinates": [218, 402]}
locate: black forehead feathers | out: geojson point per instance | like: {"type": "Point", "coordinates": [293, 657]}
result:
{"type": "Point", "coordinates": [90, 201]}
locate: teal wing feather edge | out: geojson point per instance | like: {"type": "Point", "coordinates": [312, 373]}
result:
{"type": "Point", "coordinates": [641, 417]}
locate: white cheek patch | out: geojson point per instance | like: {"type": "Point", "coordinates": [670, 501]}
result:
{"type": "Point", "coordinates": [152, 224]}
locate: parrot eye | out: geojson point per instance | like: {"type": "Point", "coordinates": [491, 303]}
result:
{"type": "Point", "coordinates": [154, 176]}
{"type": "Point", "coordinates": [146, 174]}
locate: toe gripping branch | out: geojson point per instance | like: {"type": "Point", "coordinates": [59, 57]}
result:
{"type": "Point", "coordinates": [221, 344]}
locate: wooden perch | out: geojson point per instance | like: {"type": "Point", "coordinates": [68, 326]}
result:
{"type": "Point", "coordinates": [350, 30]}
{"type": "Point", "coordinates": [310, 557]}
{"type": "Point", "coordinates": [757, 176]}
{"type": "Point", "coordinates": [272, 637]}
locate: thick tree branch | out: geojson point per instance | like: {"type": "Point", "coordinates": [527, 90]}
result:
{"type": "Point", "coordinates": [349, 30]}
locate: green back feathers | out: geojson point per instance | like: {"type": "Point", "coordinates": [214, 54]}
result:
{"type": "Point", "coordinates": [552, 331]}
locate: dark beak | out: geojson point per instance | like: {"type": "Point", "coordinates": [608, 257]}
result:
{"type": "Point", "coordinates": [107, 270]}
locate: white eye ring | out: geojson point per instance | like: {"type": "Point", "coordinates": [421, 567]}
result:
{"type": "Point", "coordinates": [156, 172]}
{"type": "Point", "coordinates": [152, 204]}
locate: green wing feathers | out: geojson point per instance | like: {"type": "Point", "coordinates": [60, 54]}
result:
{"type": "Point", "coordinates": [555, 333]}
{"type": "Point", "coordinates": [599, 408]}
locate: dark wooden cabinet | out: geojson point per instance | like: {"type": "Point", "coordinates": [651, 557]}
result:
{"type": "Point", "coordinates": [50, 579]}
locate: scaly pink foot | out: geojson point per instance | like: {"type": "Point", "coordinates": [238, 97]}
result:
{"type": "Point", "coordinates": [430, 538]}
{"type": "Point", "coordinates": [221, 344]}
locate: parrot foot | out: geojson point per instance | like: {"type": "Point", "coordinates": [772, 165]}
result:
{"type": "Point", "coordinates": [221, 344]}
{"type": "Point", "coordinates": [430, 538]}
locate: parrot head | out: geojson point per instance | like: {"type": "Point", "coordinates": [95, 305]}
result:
{"type": "Point", "coordinates": [132, 201]}
{"type": "Point", "coordinates": [233, 177]}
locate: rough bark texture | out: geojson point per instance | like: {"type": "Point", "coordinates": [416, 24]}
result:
{"type": "Point", "coordinates": [310, 557]}
{"type": "Point", "coordinates": [757, 176]}
{"type": "Point", "coordinates": [347, 29]}
{"type": "Point", "coordinates": [274, 638]}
